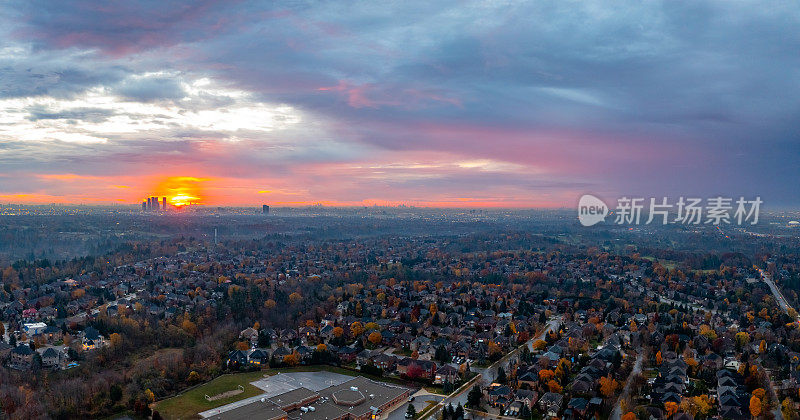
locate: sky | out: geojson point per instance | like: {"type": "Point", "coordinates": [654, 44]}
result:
{"type": "Point", "coordinates": [455, 104]}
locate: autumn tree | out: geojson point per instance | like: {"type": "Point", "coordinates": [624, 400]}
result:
{"type": "Point", "coordinates": [292, 359]}
{"type": "Point", "coordinates": [375, 338]}
{"type": "Point", "coordinates": [629, 416]}
{"type": "Point", "coordinates": [742, 338]}
{"type": "Point", "coordinates": [671, 408]}
{"type": "Point", "coordinates": [546, 375]}
{"type": "Point", "coordinates": [116, 340]}
{"type": "Point", "coordinates": [702, 404]}
{"type": "Point", "coordinates": [755, 406]}
{"type": "Point", "coordinates": [494, 350]}
{"type": "Point", "coordinates": [554, 386]}
{"type": "Point", "coordinates": [356, 329]}
{"type": "Point", "coordinates": [788, 409]}
{"type": "Point", "coordinates": [608, 386]}
{"type": "Point", "coordinates": [193, 377]}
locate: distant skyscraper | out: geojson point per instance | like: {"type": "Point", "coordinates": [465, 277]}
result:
{"type": "Point", "coordinates": [164, 203]}
{"type": "Point", "coordinates": [149, 204]}
{"type": "Point", "coordinates": [144, 205]}
{"type": "Point", "coordinates": [155, 203]}
{"type": "Point", "coordinates": [264, 209]}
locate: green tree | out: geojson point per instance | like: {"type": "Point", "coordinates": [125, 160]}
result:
{"type": "Point", "coordinates": [501, 375]}
{"type": "Point", "coordinates": [474, 397]}
{"type": "Point", "coordinates": [115, 393]}
{"type": "Point", "coordinates": [411, 411]}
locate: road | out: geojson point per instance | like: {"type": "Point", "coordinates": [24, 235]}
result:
{"type": "Point", "coordinates": [616, 414]}
{"type": "Point", "coordinates": [487, 375]}
{"type": "Point", "coordinates": [785, 307]}
{"type": "Point", "coordinates": [694, 306]}
{"type": "Point", "coordinates": [775, 291]}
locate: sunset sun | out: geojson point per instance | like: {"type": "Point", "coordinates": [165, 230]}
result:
{"type": "Point", "coordinates": [182, 191]}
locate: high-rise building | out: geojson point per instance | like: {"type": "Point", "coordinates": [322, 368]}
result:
{"type": "Point", "coordinates": [164, 203]}
{"type": "Point", "coordinates": [155, 203]}
{"type": "Point", "coordinates": [144, 205]}
{"type": "Point", "coordinates": [264, 209]}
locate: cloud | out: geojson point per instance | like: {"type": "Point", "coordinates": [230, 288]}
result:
{"type": "Point", "coordinates": [93, 115]}
{"type": "Point", "coordinates": [425, 101]}
{"type": "Point", "coordinates": [150, 88]}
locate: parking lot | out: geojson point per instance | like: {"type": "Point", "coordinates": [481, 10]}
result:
{"type": "Point", "coordinates": [421, 400]}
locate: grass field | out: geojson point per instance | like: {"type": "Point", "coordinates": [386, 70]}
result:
{"type": "Point", "coordinates": [188, 404]}
{"type": "Point", "coordinates": [668, 264]}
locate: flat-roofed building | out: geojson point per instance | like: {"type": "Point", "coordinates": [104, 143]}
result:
{"type": "Point", "coordinates": [357, 399]}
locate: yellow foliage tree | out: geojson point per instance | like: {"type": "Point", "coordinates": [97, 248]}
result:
{"type": "Point", "coordinates": [742, 338]}
{"type": "Point", "coordinates": [193, 377]}
{"type": "Point", "coordinates": [702, 403]}
{"type": "Point", "coordinates": [356, 329]}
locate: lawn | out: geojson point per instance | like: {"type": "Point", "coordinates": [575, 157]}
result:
{"type": "Point", "coordinates": [668, 264]}
{"type": "Point", "coordinates": [188, 404]}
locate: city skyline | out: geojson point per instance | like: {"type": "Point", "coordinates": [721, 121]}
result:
{"type": "Point", "coordinates": [440, 105]}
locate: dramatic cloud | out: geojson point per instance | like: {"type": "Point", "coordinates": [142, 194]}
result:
{"type": "Point", "coordinates": [435, 103]}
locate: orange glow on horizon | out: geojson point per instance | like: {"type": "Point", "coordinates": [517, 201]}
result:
{"type": "Point", "coordinates": [182, 191]}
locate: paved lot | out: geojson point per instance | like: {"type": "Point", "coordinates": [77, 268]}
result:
{"type": "Point", "coordinates": [284, 382]}
{"type": "Point", "coordinates": [421, 399]}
